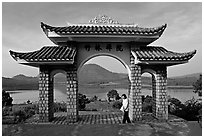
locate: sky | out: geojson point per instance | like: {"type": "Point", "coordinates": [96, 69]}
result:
{"type": "Point", "coordinates": [21, 29]}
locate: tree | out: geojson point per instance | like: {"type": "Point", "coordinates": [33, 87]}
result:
{"type": "Point", "coordinates": [6, 99]}
{"type": "Point", "coordinates": [82, 101]}
{"type": "Point", "coordinates": [197, 86]}
{"type": "Point", "coordinates": [113, 94]}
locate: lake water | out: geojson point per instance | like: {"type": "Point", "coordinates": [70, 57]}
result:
{"type": "Point", "coordinates": [22, 96]}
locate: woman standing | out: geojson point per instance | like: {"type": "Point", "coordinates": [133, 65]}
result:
{"type": "Point", "coordinates": [125, 109]}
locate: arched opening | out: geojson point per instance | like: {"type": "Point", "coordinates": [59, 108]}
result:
{"type": "Point", "coordinates": [104, 61]}
{"type": "Point", "coordinates": [59, 80]}
{"type": "Point", "coordinates": [100, 75]}
{"type": "Point", "coordinates": [148, 92]}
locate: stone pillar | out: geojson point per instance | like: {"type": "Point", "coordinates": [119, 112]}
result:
{"type": "Point", "coordinates": [45, 96]}
{"type": "Point", "coordinates": [72, 92]}
{"type": "Point", "coordinates": [135, 98]}
{"type": "Point", "coordinates": [160, 99]}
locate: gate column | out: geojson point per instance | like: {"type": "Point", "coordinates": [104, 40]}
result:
{"type": "Point", "coordinates": [160, 101]}
{"type": "Point", "coordinates": [72, 92]}
{"type": "Point", "coordinates": [135, 98]}
{"type": "Point", "coordinates": [45, 95]}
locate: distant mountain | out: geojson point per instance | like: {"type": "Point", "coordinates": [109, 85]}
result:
{"type": "Point", "coordinates": [20, 82]}
{"type": "Point", "coordinates": [185, 80]}
{"type": "Point", "coordinates": [23, 77]}
{"type": "Point", "coordinates": [92, 74]}
{"type": "Point", "coordinates": [193, 75]}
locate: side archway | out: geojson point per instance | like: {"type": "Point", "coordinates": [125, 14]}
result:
{"type": "Point", "coordinates": [153, 87]}
{"type": "Point", "coordinates": [159, 91]}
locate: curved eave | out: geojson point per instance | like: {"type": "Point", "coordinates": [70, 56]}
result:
{"type": "Point", "coordinates": [75, 32]}
{"type": "Point", "coordinates": [38, 64]}
{"type": "Point", "coordinates": [174, 59]}
{"type": "Point", "coordinates": [31, 58]}
{"type": "Point", "coordinates": [166, 63]}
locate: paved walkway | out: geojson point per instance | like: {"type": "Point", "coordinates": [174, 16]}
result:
{"type": "Point", "coordinates": [91, 117]}
{"type": "Point", "coordinates": [85, 118]}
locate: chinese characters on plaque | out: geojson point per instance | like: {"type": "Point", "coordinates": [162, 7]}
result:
{"type": "Point", "coordinates": [87, 47]}
{"type": "Point", "coordinates": [98, 47]}
{"type": "Point", "coordinates": [109, 47]}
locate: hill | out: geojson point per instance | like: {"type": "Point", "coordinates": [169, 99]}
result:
{"type": "Point", "coordinates": [92, 74]}
{"type": "Point", "coordinates": [186, 80]}
{"type": "Point", "coordinates": [20, 82]}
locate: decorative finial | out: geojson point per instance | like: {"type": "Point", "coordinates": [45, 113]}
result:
{"type": "Point", "coordinates": [103, 19]}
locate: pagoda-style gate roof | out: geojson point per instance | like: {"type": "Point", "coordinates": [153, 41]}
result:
{"type": "Point", "coordinates": [91, 29]}
{"type": "Point", "coordinates": [103, 28]}
{"type": "Point", "coordinates": [64, 54]}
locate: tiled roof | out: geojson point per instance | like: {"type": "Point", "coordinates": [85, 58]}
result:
{"type": "Point", "coordinates": [64, 53]}
{"type": "Point", "coordinates": [47, 54]}
{"type": "Point", "coordinates": [151, 53]}
{"type": "Point", "coordinates": [104, 29]}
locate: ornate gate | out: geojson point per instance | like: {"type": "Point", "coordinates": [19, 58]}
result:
{"type": "Point", "coordinates": [77, 43]}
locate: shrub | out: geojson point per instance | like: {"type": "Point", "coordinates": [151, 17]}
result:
{"type": "Point", "coordinates": [20, 116]}
{"type": "Point", "coordinates": [147, 107]}
{"type": "Point", "coordinates": [189, 110]}
{"type": "Point", "coordinates": [35, 107]}
{"type": "Point", "coordinates": [19, 113]}
{"type": "Point", "coordinates": [175, 101]}
{"type": "Point", "coordinates": [143, 98]}
{"type": "Point", "coordinates": [6, 110]}
{"type": "Point", "coordinates": [6, 99]}
{"type": "Point", "coordinates": [197, 86]}
{"type": "Point", "coordinates": [117, 104]}
{"type": "Point", "coordinates": [60, 107]}
{"type": "Point", "coordinates": [148, 99]}
{"type": "Point", "coordinates": [8, 120]}
{"type": "Point", "coordinates": [82, 100]}
{"type": "Point", "coordinates": [147, 104]}
{"type": "Point", "coordinates": [94, 98]}
{"type": "Point", "coordinates": [30, 113]}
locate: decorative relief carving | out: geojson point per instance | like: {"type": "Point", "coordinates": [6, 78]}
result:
{"type": "Point", "coordinates": [103, 19]}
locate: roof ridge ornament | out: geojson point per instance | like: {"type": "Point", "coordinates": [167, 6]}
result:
{"type": "Point", "coordinates": [103, 19]}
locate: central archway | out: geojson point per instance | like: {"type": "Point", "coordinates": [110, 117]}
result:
{"type": "Point", "coordinates": [110, 80]}
{"type": "Point", "coordinates": [110, 59]}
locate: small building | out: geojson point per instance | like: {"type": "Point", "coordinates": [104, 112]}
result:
{"type": "Point", "coordinates": [77, 43]}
